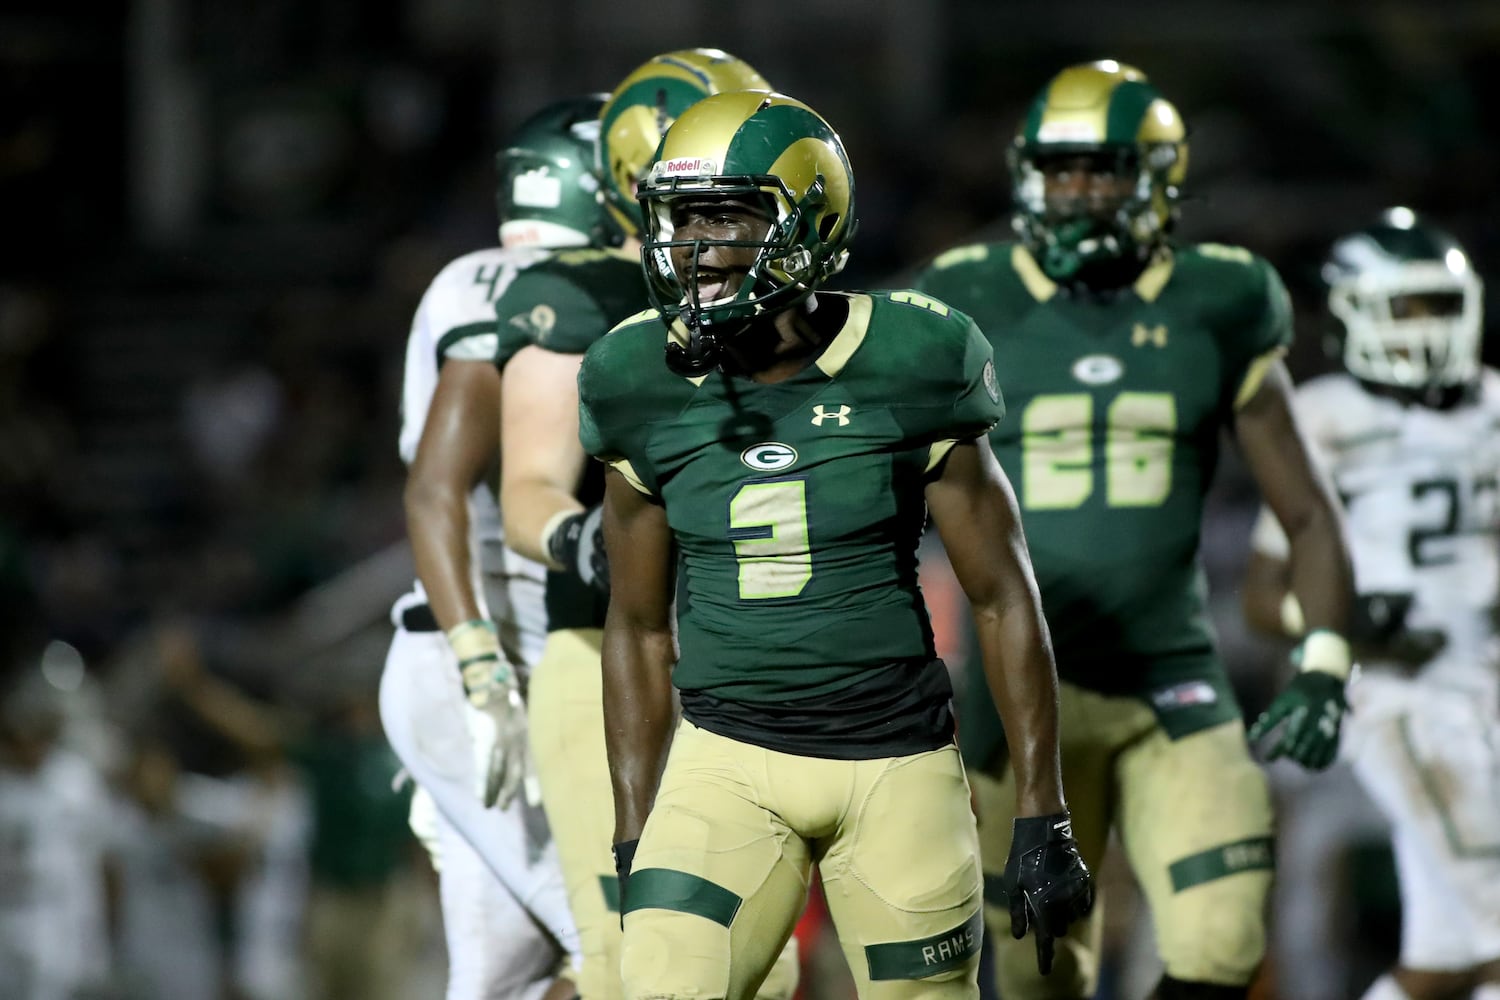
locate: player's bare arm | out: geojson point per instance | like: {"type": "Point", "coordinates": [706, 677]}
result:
{"type": "Point", "coordinates": [1309, 709]}
{"type": "Point", "coordinates": [1299, 494]}
{"type": "Point", "coordinates": [975, 513]}
{"type": "Point", "coordinates": [1264, 590]}
{"type": "Point", "coordinates": [539, 436]}
{"type": "Point", "coordinates": [460, 442]}
{"type": "Point", "coordinates": [638, 651]}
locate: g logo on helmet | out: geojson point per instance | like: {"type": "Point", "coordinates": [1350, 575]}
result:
{"type": "Point", "coordinates": [769, 456]}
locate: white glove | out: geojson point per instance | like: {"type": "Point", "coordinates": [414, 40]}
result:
{"type": "Point", "coordinates": [495, 714]}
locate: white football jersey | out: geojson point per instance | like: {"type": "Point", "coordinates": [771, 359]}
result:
{"type": "Point", "coordinates": [456, 321]}
{"type": "Point", "coordinates": [1419, 488]}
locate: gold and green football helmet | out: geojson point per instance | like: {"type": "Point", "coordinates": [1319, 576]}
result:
{"type": "Point", "coordinates": [750, 145]}
{"type": "Point", "coordinates": [548, 193]}
{"type": "Point", "coordinates": [1111, 113]}
{"type": "Point", "coordinates": [644, 106]}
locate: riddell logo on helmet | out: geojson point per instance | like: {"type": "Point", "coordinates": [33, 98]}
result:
{"type": "Point", "coordinates": [1068, 131]}
{"type": "Point", "coordinates": [691, 166]}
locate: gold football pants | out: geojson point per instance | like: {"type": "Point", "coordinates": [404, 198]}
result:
{"type": "Point", "coordinates": [1194, 816]}
{"type": "Point", "coordinates": [565, 705]}
{"type": "Point", "coordinates": [722, 870]}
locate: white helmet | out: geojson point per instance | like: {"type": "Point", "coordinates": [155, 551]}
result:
{"type": "Point", "coordinates": [1409, 302]}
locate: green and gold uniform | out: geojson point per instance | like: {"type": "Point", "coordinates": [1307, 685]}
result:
{"type": "Point", "coordinates": [816, 721]}
{"type": "Point", "coordinates": [1117, 405]}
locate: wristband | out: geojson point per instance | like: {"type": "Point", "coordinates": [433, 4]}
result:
{"type": "Point", "coordinates": [1325, 651]}
{"type": "Point", "coordinates": [554, 540]}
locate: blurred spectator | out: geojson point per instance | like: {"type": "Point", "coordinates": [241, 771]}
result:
{"type": "Point", "coordinates": [55, 821]}
{"type": "Point", "coordinates": [363, 898]}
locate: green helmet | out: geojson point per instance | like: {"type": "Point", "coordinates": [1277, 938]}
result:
{"type": "Point", "coordinates": [645, 104]}
{"type": "Point", "coordinates": [1110, 113]}
{"type": "Point", "coordinates": [1409, 305]}
{"type": "Point", "coordinates": [767, 146]}
{"type": "Point", "coordinates": [548, 193]}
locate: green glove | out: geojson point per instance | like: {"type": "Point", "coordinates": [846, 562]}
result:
{"type": "Point", "coordinates": [1311, 708]}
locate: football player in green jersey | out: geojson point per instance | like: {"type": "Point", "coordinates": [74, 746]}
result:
{"type": "Point", "coordinates": [773, 455]}
{"type": "Point", "coordinates": [1123, 356]}
{"type": "Point", "coordinates": [551, 493]}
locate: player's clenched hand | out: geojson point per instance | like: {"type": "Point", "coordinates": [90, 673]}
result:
{"type": "Point", "coordinates": [495, 714]}
{"type": "Point", "coordinates": [1312, 706]}
{"type": "Point", "coordinates": [1046, 881]}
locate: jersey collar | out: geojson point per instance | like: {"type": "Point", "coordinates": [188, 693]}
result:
{"type": "Point", "coordinates": [834, 357]}
{"type": "Point", "coordinates": [842, 347]}
{"type": "Point", "coordinates": [1042, 288]}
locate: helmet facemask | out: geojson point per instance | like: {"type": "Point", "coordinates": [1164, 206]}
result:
{"type": "Point", "coordinates": [791, 259]}
{"type": "Point", "coordinates": [1413, 326]}
{"type": "Point", "coordinates": [1067, 234]}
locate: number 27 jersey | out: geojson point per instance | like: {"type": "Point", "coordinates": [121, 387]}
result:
{"type": "Point", "coordinates": [796, 506]}
{"type": "Point", "coordinates": [1421, 494]}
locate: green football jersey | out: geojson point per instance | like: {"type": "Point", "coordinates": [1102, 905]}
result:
{"type": "Point", "coordinates": [1117, 405]}
{"type": "Point", "coordinates": [569, 300]}
{"type": "Point", "coordinates": [563, 304]}
{"type": "Point", "coordinates": [796, 506]}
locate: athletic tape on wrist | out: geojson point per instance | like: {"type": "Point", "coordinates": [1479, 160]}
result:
{"type": "Point", "coordinates": [1327, 652]}
{"type": "Point", "coordinates": [474, 640]}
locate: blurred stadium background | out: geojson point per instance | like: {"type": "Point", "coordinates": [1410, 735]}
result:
{"type": "Point", "coordinates": [219, 217]}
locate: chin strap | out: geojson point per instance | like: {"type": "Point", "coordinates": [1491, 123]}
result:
{"type": "Point", "coordinates": [700, 356]}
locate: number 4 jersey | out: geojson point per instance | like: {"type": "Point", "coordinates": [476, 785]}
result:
{"type": "Point", "coordinates": [1419, 487]}
{"type": "Point", "coordinates": [1116, 407]}
{"type": "Point", "coordinates": [797, 508]}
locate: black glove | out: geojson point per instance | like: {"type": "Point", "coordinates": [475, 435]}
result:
{"type": "Point", "coordinates": [577, 545]}
{"type": "Point", "coordinates": [624, 853]}
{"type": "Point", "coordinates": [1046, 881]}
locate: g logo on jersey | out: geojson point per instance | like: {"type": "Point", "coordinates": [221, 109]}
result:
{"type": "Point", "coordinates": [1097, 369]}
{"type": "Point", "coordinates": [769, 456]}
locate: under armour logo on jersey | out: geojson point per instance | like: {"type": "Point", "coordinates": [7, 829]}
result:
{"type": "Point", "coordinates": [822, 413]}
{"type": "Point", "coordinates": [1141, 335]}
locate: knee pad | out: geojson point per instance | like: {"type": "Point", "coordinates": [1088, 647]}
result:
{"type": "Point", "coordinates": [1177, 989]}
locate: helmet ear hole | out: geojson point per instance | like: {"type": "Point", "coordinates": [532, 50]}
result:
{"type": "Point", "coordinates": [828, 225]}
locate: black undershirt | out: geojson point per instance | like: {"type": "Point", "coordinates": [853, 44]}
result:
{"type": "Point", "coordinates": [900, 708]}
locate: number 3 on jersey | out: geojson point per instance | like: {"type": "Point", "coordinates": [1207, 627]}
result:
{"type": "Point", "coordinates": [768, 525]}
{"type": "Point", "coordinates": [1058, 450]}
